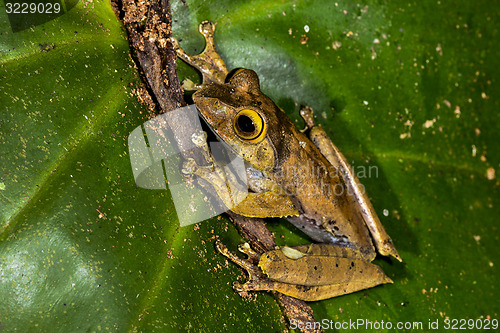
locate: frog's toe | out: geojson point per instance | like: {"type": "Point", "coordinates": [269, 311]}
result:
{"type": "Point", "coordinates": [221, 248]}
{"type": "Point", "coordinates": [254, 285]}
{"type": "Point", "coordinates": [239, 286]}
{"type": "Point", "coordinates": [307, 114]}
{"type": "Point", "coordinates": [206, 28]}
{"type": "Point", "coordinates": [251, 285]}
{"type": "Point", "coordinates": [252, 270]}
{"type": "Point", "coordinates": [189, 167]}
{"type": "Point", "coordinates": [175, 43]}
{"type": "Point", "coordinates": [189, 85]}
{"type": "Point", "coordinates": [246, 249]}
{"type": "Point", "coordinates": [199, 138]}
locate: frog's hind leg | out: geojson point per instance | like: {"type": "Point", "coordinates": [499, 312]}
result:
{"type": "Point", "coordinates": [321, 140]}
{"type": "Point", "coordinates": [258, 281]}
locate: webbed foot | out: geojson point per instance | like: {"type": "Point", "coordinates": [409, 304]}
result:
{"type": "Point", "coordinates": [208, 62]}
{"type": "Point", "coordinates": [249, 265]}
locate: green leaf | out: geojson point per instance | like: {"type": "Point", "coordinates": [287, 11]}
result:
{"type": "Point", "coordinates": [407, 91]}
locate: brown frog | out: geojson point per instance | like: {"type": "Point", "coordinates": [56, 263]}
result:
{"type": "Point", "coordinates": [303, 178]}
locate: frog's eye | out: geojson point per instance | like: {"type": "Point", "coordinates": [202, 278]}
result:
{"type": "Point", "coordinates": [249, 126]}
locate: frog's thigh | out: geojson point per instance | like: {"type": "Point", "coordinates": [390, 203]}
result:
{"type": "Point", "coordinates": [265, 204]}
{"type": "Point", "coordinates": [316, 274]}
{"type": "Point", "coordinates": [284, 265]}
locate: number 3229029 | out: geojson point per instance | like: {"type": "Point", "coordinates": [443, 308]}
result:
{"type": "Point", "coordinates": [32, 8]}
{"type": "Point", "coordinates": [462, 324]}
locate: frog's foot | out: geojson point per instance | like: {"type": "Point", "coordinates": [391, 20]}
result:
{"type": "Point", "coordinates": [208, 62]}
{"type": "Point", "coordinates": [256, 279]}
{"type": "Point", "coordinates": [210, 173]}
{"type": "Point", "coordinates": [249, 264]}
{"type": "Point", "coordinates": [199, 139]}
{"type": "Point", "coordinates": [224, 182]}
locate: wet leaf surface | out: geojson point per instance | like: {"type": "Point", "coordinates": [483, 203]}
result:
{"type": "Point", "coordinates": [407, 91]}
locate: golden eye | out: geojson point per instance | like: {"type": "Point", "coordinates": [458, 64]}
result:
{"type": "Point", "coordinates": [249, 126]}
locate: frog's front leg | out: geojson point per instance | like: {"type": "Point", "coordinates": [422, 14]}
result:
{"type": "Point", "coordinates": [251, 204]}
{"type": "Point", "coordinates": [321, 140]}
{"type": "Point", "coordinates": [310, 272]}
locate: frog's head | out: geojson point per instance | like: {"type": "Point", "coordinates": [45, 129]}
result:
{"type": "Point", "coordinates": [244, 118]}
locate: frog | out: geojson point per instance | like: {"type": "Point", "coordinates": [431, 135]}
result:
{"type": "Point", "coordinates": [295, 174]}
